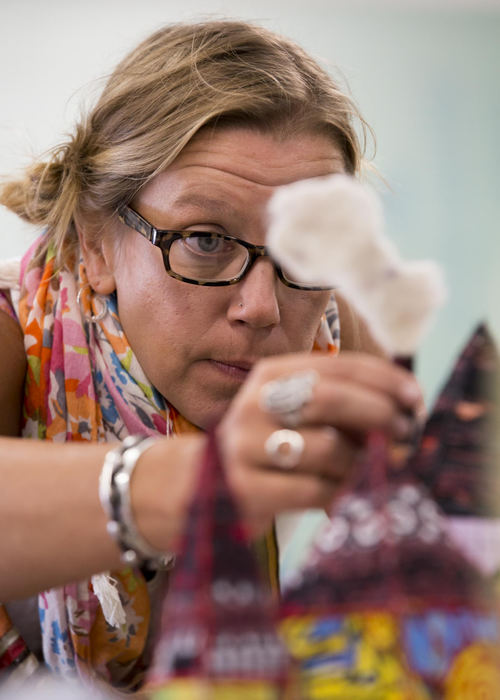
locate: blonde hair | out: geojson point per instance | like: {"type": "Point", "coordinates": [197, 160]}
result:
{"type": "Point", "coordinates": [181, 79]}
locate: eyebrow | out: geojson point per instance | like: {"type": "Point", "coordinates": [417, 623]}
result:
{"type": "Point", "coordinates": [209, 204]}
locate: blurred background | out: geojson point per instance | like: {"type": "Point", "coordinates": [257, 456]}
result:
{"type": "Point", "coordinates": [425, 73]}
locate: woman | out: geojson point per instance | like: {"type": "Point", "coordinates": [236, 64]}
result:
{"type": "Point", "coordinates": [194, 131]}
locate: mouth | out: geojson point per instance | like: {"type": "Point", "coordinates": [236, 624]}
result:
{"type": "Point", "coordinates": [235, 369]}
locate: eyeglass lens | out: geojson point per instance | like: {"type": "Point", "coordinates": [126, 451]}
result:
{"type": "Point", "coordinates": [209, 258]}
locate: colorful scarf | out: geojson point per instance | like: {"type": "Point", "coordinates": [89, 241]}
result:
{"type": "Point", "coordinates": [85, 384]}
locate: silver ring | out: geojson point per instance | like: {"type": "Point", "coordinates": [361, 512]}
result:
{"type": "Point", "coordinates": [286, 396]}
{"type": "Point", "coordinates": [285, 448]}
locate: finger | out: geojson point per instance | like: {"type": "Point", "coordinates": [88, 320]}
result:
{"type": "Point", "coordinates": [372, 372]}
{"type": "Point", "coordinates": [326, 453]}
{"type": "Point", "coordinates": [265, 493]}
{"type": "Point", "coordinates": [353, 407]}
{"type": "Point", "coordinates": [380, 375]}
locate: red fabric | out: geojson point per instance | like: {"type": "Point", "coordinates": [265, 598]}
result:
{"type": "Point", "coordinates": [13, 653]}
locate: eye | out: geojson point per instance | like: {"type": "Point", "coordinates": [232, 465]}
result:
{"type": "Point", "coordinates": [205, 244]}
{"type": "Point", "coordinates": [209, 245]}
{"type": "Point", "coordinates": [201, 256]}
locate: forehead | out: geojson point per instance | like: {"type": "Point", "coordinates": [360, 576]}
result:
{"type": "Point", "coordinates": [262, 157]}
{"type": "Point", "coordinates": [220, 167]}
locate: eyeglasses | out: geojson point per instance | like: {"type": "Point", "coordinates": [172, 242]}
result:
{"type": "Point", "coordinates": [206, 258]}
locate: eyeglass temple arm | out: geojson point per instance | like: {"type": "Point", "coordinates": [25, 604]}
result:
{"type": "Point", "coordinates": [134, 220]}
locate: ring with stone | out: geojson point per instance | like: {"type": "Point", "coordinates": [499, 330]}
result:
{"type": "Point", "coordinates": [286, 396]}
{"type": "Point", "coordinates": [285, 448]}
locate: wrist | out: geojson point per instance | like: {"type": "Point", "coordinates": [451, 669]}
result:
{"type": "Point", "coordinates": [163, 486]}
{"type": "Point", "coordinates": [115, 495]}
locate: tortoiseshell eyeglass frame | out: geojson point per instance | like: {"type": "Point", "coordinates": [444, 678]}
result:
{"type": "Point", "coordinates": [163, 239]}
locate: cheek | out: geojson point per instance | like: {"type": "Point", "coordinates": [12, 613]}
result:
{"type": "Point", "coordinates": [149, 308]}
{"type": "Point", "coordinates": [157, 333]}
{"type": "Point", "coordinates": [163, 321]}
{"type": "Point", "coordinates": [301, 317]}
{"type": "Point", "coordinates": [155, 314]}
{"type": "Point", "coordinates": [145, 291]}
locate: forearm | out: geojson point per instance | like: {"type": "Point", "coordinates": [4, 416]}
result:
{"type": "Point", "coordinates": [52, 523]}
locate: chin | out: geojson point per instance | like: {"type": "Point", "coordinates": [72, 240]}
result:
{"type": "Point", "coordinates": [210, 421]}
{"type": "Point", "coordinates": [206, 418]}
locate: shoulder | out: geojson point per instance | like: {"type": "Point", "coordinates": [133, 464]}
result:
{"type": "Point", "coordinates": [354, 332]}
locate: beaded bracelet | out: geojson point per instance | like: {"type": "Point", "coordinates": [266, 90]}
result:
{"type": "Point", "coordinates": [114, 494]}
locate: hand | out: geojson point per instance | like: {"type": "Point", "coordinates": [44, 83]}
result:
{"type": "Point", "coordinates": [354, 394]}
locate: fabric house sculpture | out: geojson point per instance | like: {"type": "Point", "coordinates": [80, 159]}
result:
{"type": "Point", "coordinates": [387, 605]}
{"type": "Point", "coordinates": [219, 638]}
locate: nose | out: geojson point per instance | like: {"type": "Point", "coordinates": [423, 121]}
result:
{"type": "Point", "coordinates": [255, 301]}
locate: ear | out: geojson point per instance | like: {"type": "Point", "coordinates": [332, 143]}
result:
{"type": "Point", "coordinates": [98, 258]}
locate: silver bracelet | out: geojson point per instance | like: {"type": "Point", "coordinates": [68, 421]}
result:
{"type": "Point", "coordinates": [114, 494]}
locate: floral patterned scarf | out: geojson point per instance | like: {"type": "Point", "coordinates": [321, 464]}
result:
{"type": "Point", "coordinates": [85, 384]}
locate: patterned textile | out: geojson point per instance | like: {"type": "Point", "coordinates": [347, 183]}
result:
{"type": "Point", "coordinates": [16, 661]}
{"type": "Point", "coordinates": [388, 605]}
{"type": "Point", "coordinates": [218, 625]}
{"type": "Point", "coordinates": [456, 459]}
{"type": "Point", "coordinates": [84, 383]}
{"type": "Point", "coordinates": [6, 304]}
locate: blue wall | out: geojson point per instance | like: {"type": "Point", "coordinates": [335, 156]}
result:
{"type": "Point", "coordinates": [427, 80]}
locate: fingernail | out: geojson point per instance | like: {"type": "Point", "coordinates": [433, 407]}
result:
{"type": "Point", "coordinates": [402, 427]}
{"type": "Point", "coordinates": [410, 392]}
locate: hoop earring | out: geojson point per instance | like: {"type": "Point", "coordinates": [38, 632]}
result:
{"type": "Point", "coordinates": [103, 310]}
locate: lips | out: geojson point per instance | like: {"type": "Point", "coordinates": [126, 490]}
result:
{"type": "Point", "coordinates": [238, 369]}
{"type": "Point", "coordinates": [240, 364]}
